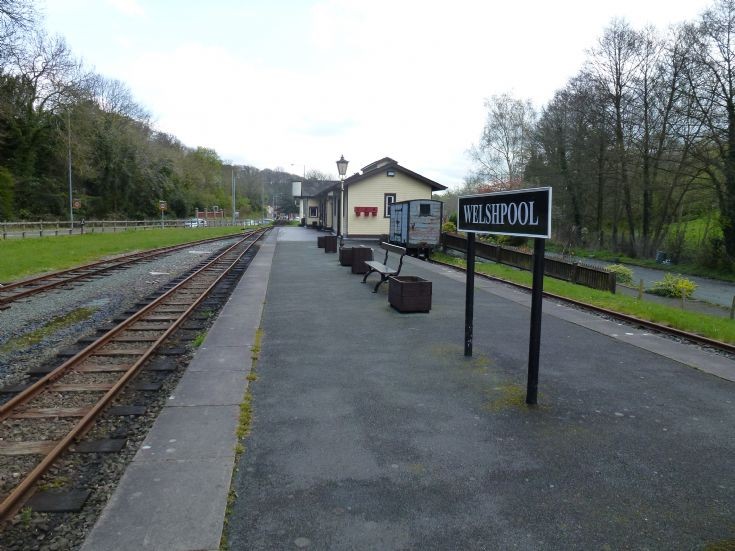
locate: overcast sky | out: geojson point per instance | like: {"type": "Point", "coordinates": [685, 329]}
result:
{"type": "Point", "coordinates": [296, 84]}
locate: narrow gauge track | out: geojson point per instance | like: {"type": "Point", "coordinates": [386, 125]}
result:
{"type": "Point", "coordinates": [671, 331]}
{"type": "Point", "coordinates": [75, 388]}
{"type": "Point", "coordinates": [16, 290]}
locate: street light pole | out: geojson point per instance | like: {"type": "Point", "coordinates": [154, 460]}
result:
{"type": "Point", "coordinates": [233, 195]}
{"type": "Point", "coordinates": [71, 193]}
{"type": "Point", "coordinates": [342, 169]}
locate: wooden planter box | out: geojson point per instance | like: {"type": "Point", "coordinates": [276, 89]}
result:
{"type": "Point", "coordinates": [345, 256]}
{"type": "Point", "coordinates": [359, 256]}
{"type": "Point", "coordinates": [330, 243]}
{"type": "Point", "coordinates": [409, 293]}
{"type": "Point", "coordinates": [320, 241]}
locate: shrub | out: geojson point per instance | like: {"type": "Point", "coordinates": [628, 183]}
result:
{"type": "Point", "coordinates": [449, 227]}
{"type": "Point", "coordinates": [673, 286]}
{"type": "Point", "coordinates": [623, 274]}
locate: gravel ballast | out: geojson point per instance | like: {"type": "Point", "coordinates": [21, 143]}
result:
{"type": "Point", "coordinates": [109, 298]}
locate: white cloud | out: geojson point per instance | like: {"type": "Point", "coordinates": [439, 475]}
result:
{"type": "Point", "coordinates": [127, 7]}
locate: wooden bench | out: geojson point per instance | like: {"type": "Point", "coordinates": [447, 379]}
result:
{"type": "Point", "coordinates": [383, 269]}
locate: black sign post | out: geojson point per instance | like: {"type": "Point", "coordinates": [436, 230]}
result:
{"type": "Point", "coordinates": [523, 213]}
{"type": "Point", "coordinates": [469, 303]}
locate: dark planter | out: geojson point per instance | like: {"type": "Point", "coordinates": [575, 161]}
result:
{"type": "Point", "coordinates": [359, 256]}
{"type": "Point", "coordinates": [345, 256]}
{"type": "Point", "coordinates": [320, 241]}
{"type": "Point", "coordinates": [409, 293]}
{"type": "Point", "coordinates": [330, 243]}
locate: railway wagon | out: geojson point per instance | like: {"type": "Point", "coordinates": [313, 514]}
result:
{"type": "Point", "coordinates": [416, 225]}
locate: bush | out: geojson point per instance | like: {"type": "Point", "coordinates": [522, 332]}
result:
{"type": "Point", "coordinates": [673, 286]}
{"type": "Point", "coordinates": [623, 274]}
{"type": "Point", "coordinates": [449, 227]}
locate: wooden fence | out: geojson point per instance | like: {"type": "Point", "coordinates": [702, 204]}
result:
{"type": "Point", "coordinates": [575, 272]}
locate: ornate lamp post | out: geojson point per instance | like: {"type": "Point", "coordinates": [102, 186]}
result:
{"type": "Point", "coordinates": [342, 169]}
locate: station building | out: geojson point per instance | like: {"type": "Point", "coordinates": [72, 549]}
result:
{"type": "Point", "coordinates": [368, 195]}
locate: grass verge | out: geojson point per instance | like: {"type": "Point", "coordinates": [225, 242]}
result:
{"type": "Point", "coordinates": [26, 257]}
{"type": "Point", "coordinates": [720, 329]}
{"type": "Point", "coordinates": [55, 324]}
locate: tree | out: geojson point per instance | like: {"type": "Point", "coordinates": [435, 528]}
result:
{"type": "Point", "coordinates": [505, 145]}
{"type": "Point", "coordinates": [16, 18]}
{"type": "Point", "coordinates": [711, 76]}
{"type": "Point", "coordinates": [613, 65]}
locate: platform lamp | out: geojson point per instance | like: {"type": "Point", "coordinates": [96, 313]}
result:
{"type": "Point", "coordinates": [342, 169]}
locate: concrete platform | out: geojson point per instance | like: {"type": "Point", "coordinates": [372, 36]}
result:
{"type": "Point", "coordinates": [372, 431]}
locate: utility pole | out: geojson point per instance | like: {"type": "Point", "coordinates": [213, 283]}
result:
{"type": "Point", "coordinates": [233, 195]}
{"type": "Point", "coordinates": [68, 156]}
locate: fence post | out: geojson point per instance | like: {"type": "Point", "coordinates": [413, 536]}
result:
{"type": "Point", "coordinates": [640, 290]}
{"type": "Point", "coordinates": [575, 272]}
{"type": "Point", "coordinates": [732, 308]}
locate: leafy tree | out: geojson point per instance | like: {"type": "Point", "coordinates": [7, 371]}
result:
{"type": "Point", "coordinates": [505, 145]}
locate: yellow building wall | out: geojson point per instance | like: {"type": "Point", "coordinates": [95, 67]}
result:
{"type": "Point", "coordinates": [329, 212]}
{"type": "Point", "coordinates": [371, 193]}
{"type": "Point", "coordinates": [312, 202]}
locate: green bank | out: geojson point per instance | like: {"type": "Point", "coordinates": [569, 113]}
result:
{"type": "Point", "coordinates": [21, 258]}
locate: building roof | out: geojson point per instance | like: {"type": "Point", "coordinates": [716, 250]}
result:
{"type": "Point", "coordinates": [311, 188]}
{"type": "Point", "coordinates": [386, 163]}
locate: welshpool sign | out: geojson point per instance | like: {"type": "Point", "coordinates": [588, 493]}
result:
{"type": "Point", "coordinates": [523, 213]}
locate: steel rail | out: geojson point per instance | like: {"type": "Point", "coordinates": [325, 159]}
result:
{"type": "Point", "coordinates": [692, 337]}
{"type": "Point", "coordinates": [96, 267]}
{"type": "Point", "coordinates": [14, 500]}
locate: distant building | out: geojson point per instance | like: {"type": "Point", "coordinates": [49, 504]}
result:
{"type": "Point", "coordinates": [307, 196]}
{"type": "Point", "coordinates": [367, 197]}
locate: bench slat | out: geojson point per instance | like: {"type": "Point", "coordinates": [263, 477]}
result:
{"type": "Point", "coordinates": [382, 268]}
{"type": "Point", "coordinates": [393, 248]}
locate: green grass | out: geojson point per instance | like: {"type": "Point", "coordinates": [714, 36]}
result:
{"type": "Point", "coordinates": [56, 324]}
{"type": "Point", "coordinates": [721, 329]}
{"type": "Point", "coordinates": [26, 257]}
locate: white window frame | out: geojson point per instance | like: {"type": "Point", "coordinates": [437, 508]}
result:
{"type": "Point", "coordinates": [387, 204]}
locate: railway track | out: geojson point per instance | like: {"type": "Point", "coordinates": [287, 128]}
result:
{"type": "Point", "coordinates": [17, 290]}
{"type": "Point", "coordinates": [67, 401]}
{"type": "Point", "coordinates": [691, 337]}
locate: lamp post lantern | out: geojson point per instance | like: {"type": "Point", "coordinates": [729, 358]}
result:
{"type": "Point", "coordinates": [342, 169]}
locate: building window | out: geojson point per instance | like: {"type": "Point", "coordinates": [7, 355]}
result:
{"type": "Point", "coordinates": [313, 212]}
{"type": "Point", "coordinates": [389, 199]}
{"type": "Point", "coordinates": [424, 209]}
